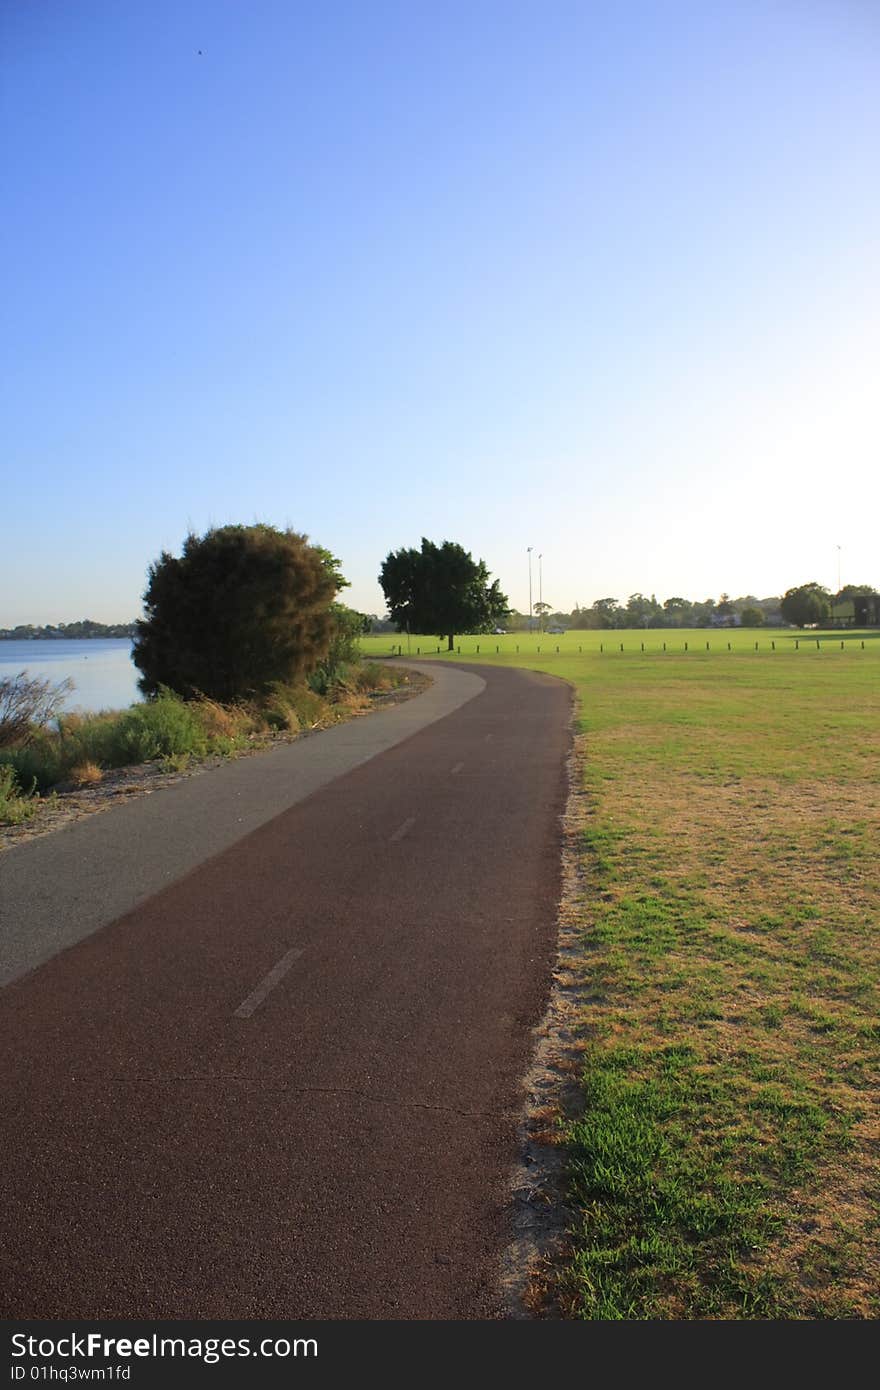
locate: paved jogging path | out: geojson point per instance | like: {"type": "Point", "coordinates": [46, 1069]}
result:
{"type": "Point", "coordinates": [55, 891]}
{"type": "Point", "coordinates": [287, 1084]}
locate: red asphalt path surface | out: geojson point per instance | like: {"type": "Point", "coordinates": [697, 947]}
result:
{"type": "Point", "coordinates": [288, 1085]}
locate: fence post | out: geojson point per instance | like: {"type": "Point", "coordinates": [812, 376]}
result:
{"type": "Point", "coordinates": [621, 646]}
{"type": "Point", "coordinates": [685, 646]}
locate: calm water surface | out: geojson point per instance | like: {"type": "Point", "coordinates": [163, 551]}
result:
{"type": "Point", "coordinates": [101, 668]}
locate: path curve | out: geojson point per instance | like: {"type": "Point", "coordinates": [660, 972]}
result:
{"type": "Point", "coordinates": [288, 1084]}
{"type": "Point", "coordinates": [58, 889]}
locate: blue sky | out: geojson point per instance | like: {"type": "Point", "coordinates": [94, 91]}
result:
{"type": "Point", "coordinates": [599, 279]}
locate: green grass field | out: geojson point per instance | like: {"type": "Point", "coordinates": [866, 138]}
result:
{"type": "Point", "coordinates": [724, 826]}
{"type": "Point", "coordinates": [672, 640]}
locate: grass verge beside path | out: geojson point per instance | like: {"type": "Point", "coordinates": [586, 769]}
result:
{"type": "Point", "coordinates": [726, 1163]}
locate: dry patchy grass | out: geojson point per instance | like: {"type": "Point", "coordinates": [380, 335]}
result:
{"type": "Point", "coordinates": [734, 919]}
{"type": "Point", "coordinates": [85, 774]}
{"type": "Point", "coordinates": [725, 827]}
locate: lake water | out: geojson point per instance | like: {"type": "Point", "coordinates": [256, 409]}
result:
{"type": "Point", "coordinates": [101, 668]}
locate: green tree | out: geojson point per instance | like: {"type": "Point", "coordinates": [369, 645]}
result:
{"type": "Point", "coordinates": [701, 613]}
{"type": "Point", "coordinates": [583, 618]}
{"type": "Point", "coordinates": [242, 608]}
{"type": "Point", "coordinates": [752, 617]}
{"type": "Point", "coordinates": [678, 612]}
{"type": "Point", "coordinates": [516, 621]}
{"type": "Point", "coordinates": [541, 610]}
{"type": "Point", "coordinates": [608, 613]}
{"type": "Point", "coordinates": [441, 589]}
{"type": "Point", "coordinates": [642, 611]}
{"type": "Point", "coordinates": [806, 605]}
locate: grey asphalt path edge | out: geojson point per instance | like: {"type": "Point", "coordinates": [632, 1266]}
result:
{"type": "Point", "coordinates": [59, 889]}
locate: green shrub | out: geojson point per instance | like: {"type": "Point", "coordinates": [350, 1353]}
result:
{"type": "Point", "coordinates": [88, 738]}
{"type": "Point", "coordinates": [224, 746]}
{"type": "Point", "coordinates": [348, 627]}
{"type": "Point", "coordinates": [15, 805]}
{"type": "Point", "coordinates": [38, 765]}
{"type": "Point", "coordinates": [328, 681]}
{"type": "Point", "coordinates": [176, 762]}
{"type": "Point", "coordinates": [277, 711]}
{"type": "Point", "coordinates": [307, 705]}
{"type": "Point", "coordinates": [371, 676]}
{"type": "Point", "coordinates": [159, 728]}
{"type": "Point", "coordinates": [281, 718]}
{"type": "Point", "coordinates": [319, 681]}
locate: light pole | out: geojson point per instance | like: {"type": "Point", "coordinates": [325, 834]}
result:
{"type": "Point", "coordinates": [541, 589]}
{"type": "Point", "coordinates": [529, 549]}
{"type": "Point", "coordinates": [838, 569]}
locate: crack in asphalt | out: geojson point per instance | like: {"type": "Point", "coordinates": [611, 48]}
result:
{"type": "Point", "coordinates": [296, 1090]}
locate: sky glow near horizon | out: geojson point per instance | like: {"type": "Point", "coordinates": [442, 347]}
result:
{"type": "Point", "coordinates": [599, 280]}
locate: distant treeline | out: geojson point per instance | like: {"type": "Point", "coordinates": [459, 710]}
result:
{"type": "Point", "coordinates": [643, 610]}
{"type": "Point", "coordinates": [805, 605]}
{"type": "Point", "coordinates": [71, 632]}
{"type": "Point", "coordinates": [640, 611]}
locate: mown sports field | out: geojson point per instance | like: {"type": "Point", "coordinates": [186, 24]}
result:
{"type": "Point", "coordinates": [724, 825]}
{"type": "Point", "coordinates": [575, 643]}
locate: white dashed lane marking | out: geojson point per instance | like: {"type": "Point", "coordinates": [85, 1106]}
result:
{"type": "Point", "coordinates": [403, 829]}
{"type": "Point", "coordinates": [277, 973]}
